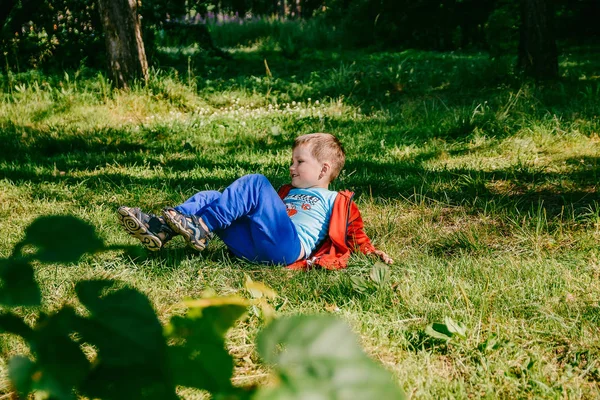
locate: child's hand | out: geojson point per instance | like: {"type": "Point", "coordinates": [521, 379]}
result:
{"type": "Point", "coordinates": [384, 257]}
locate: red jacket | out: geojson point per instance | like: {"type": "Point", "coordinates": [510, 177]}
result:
{"type": "Point", "coordinates": [345, 235]}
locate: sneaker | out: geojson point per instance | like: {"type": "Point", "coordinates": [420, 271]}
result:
{"type": "Point", "coordinates": [145, 227]}
{"type": "Point", "coordinates": [188, 226]}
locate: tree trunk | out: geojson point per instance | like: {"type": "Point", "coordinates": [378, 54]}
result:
{"type": "Point", "coordinates": [538, 56]}
{"type": "Point", "coordinates": [124, 45]}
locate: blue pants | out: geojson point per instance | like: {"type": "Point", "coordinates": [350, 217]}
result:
{"type": "Point", "coordinates": [250, 218]}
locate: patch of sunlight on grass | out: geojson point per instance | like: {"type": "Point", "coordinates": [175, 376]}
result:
{"type": "Point", "coordinates": [547, 152]}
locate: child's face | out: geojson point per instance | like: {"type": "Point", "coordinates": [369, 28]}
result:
{"type": "Point", "coordinates": [306, 171]}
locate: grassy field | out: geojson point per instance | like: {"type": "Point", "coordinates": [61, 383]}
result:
{"type": "Point", "coordinates": [482, 187]}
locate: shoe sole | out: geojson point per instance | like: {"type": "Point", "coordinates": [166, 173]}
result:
{"type": "Point", "coordinates": [187, 233]}
{"type": "Point", "coordinates": [138, 230]}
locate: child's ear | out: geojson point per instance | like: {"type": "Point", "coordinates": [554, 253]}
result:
{"type": "Point", "coordinates": [325, 169]}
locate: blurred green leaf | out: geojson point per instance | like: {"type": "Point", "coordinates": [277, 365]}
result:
{"type": "Point", "coordinates": [380, 273]}
{"type": "Point", "coordinates": [132, 353]}
{"type": "Point", "coordinates": [258, 289]}
{"type": "Point", "coordinates": [260, 293]}
{"type": "Point", "coordinates": [318, 357]}
{"type": "Point", "coordinates": [19, 287]}
{"type": "Point", "coordinates": [127, 382]}
{"type": "Point", "coordinates": [204, 366]}
{"type": "Point", "coordinates": [200, 359]}
{"type": "Point", "coordinates": [335, 380]}
{"type": "Point", "coordinates": [222, 312]}
{"type": "Point", "coordinates": [60, 238]}
{"type": "Point", "coordinates": [60, 365]}
{"type": "Point", "coordinates": [61, 323]}
{"type": "Point", "coordinates": [122, 322]}
{"type": "Point", "coordinates": [20, 372]}
{"type": "Point", "coordinates": [11, 323]}
{"type": "Point", "coordinates": [318, 336]}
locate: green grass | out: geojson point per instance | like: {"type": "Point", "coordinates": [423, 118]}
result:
{"type": "Point", "coordinates": [484, 189]}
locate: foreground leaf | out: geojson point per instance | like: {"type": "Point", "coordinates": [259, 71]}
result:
{"type": "Point", "coordinates": [19, 287]}
{"type": "Point", "coordinates": [60, 365]}
{"type": "Point", "coordinates": [60, 238]}
{"type": "Point", "coordinates": [260, 294]}
{"type": "Point", "coordinates": [20, 372]}
{"type": "Point", "coordinates": [132, 353]}
{"type": "Point", "coordinates": [222, 312]}
{"type": "Point", "coordinates": [200, 359]}
{"type": "Point", "coordinates": [318, 357]}
{"type": "Point", "coordinates": [258, 289]}
{"type": "Point", "coordinates": [11, 323]}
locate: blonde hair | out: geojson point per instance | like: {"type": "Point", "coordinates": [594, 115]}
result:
{"type": "Point", "coordinates": [324, 147]}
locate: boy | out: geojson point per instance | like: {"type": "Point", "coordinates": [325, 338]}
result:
{"type": "Point", "coordinates": [301, 226]}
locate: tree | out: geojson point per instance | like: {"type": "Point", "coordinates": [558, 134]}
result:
{"type": "Point", "coordinates": [124, 45]}
{"type": "Point", "coordinates": [538, 56]}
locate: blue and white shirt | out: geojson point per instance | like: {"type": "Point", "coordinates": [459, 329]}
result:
{"type": "Point", "coordinates": [310, 212]}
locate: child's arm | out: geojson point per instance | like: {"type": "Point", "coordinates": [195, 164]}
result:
{"type": "Point", "coordinates": [358, 239]}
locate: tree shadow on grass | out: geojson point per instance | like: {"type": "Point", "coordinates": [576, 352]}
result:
{"type": "Point", "coordinates": [39, 158]}
{"type": "Point", "coordinates": [510, 188]}
{"type": "Point", "coordinates": [22, 143]}
{"type": "Point", "coordinates": [89, 149]}
{"type": "Point", "coordinates": [45, 156]}
{"type": "Point", "coordinates": [386, 78]}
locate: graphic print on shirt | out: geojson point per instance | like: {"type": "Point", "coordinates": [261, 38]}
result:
{"type": "Point", "coordinates": [291, 210]}
{"type": "Point", "coordinates": [307, 202]}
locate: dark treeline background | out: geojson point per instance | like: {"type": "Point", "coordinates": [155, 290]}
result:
{"type": "Point", "coordinates": [68, 33]}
